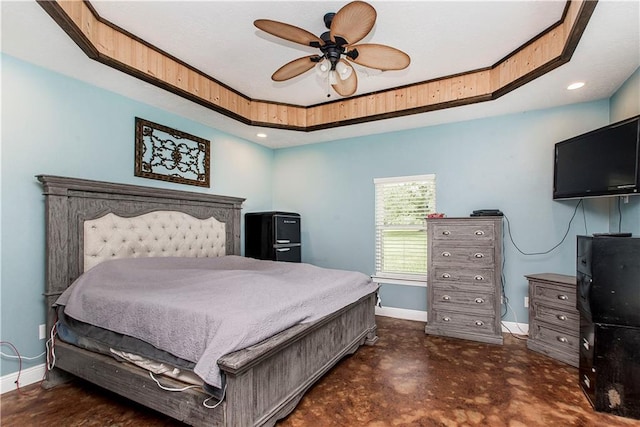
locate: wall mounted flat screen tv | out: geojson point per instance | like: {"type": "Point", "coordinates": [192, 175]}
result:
{"type": "Point", "coordinates": [603, 162]}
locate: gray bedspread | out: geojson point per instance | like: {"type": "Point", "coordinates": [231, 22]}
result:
{"type": "Point", "coordinates": [200, 309]}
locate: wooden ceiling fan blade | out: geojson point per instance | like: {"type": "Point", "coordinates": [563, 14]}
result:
{"type": "Point", "coordinates": [380, 57]}
{"type": "Point", "coordinates": [353, 22]}
{"type": "Point", "coordinates": [287, 32]}
{"type": "Point", "coordinates": [294, 68]}
{"type": "Point", "coordinates": [348, 86]}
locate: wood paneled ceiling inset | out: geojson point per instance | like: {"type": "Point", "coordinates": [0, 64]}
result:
{"type": "Point", "coordinates": [106, 43]}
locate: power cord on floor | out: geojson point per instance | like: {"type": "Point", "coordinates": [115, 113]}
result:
{"type": "Point", "coordinates": [514, 335]}
{"type": "Point", "coordinates": [20, 358]}
{"type": "Point", "coordinates": [517, 324]}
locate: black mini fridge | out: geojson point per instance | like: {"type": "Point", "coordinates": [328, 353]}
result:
{"type": "Point", "coordinates": [608, 298]}
{"type": "Point", "coordinates": [272, 236]}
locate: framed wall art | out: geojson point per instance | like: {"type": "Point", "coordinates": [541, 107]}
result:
{"type": "Point", "coordinates": [170, 155]}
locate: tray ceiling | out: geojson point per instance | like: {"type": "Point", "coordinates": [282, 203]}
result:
{"type": "Point", "coordinates": [442, 38]}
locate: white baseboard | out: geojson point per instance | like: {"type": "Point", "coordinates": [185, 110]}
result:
{"type": "Point", "coordinates": [421, 316]}
{"type": "Point", "coordinates": [402, 313]}
{"type": "Point", "coordinates": [27, 376]}
{"type": "Point", "coordinates": [515, 328]}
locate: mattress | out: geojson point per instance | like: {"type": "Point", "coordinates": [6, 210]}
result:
{"type": "Point", "coordinates": [128, 349]}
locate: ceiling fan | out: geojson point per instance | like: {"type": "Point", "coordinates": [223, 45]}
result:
{"type": "Point", "coordinates": [338, 47]}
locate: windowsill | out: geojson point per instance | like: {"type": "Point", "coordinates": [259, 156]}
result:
{"type": "Point", "coordinates": [396, 281]}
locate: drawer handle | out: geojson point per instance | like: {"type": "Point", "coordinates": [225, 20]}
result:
{"type": "Point", "coordinates": [446, 232]}
{"type": "Point", "coordinates": [479, 233]}
{"type": "Point", "coordinates": [479, 277]}
{"type": "Point", "coordinates": [563, 297]}
{"type": "Point", "coordinates": [446, 319]}
{"type": "Point", "coordinates": [479, 301]}
{"type": "Point", "coordinates": [562, 339]}
{"type": "Point", "coordinates": [561, 317]}
{"type": "Point", "coordinates": [283, 249]}
{"type": "Point", "coordinates": [446, 298]}
{"type": "Point", "coordinates": [446, 275]}
{"type": "Point", "coordinates": [478, 255]}
{"type": "Point", "coordinates": [479, 323]}
{"type": "Point", "coordinates": [585, 343]}
{"type": "Point", "coordinates": [446, 254]}
{"type": "Point", "coordinates": [586, 381]}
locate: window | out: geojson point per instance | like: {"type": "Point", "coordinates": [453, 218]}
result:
{"type": "Point", "coordinates": [402, 205]}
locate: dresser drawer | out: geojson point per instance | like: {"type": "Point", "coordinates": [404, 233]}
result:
{"type": "Point", "coordinates": [471, 257]}
{"type": "Point", "coordinates": [562, 296]}
{"type": "Point", "coordinates": [467, 322]}
{"type": "Point", "coordinates": [568, 320]}
{"type": "Point", "coordinates": [478, 232]}
{"type": "Point", "coordinates": [554, 321]}
{"type": "Point", "coordinates": [465, 277]}
{"type": "Point", "coordinates": [556, 339]}
{"type": "Point", "coordinates": [465, 301]}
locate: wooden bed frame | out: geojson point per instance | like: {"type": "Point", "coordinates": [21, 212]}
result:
{"type": "Point", "coordinates": [263, 382]}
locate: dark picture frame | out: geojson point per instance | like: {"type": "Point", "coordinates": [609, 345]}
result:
{"type": "Point", "coordinates": [171, 155]}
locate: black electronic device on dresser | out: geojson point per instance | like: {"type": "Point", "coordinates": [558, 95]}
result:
{"type": "Point", "coordinates": [608, 298]}
{"type": "Point", "coordinates": [272, 236]}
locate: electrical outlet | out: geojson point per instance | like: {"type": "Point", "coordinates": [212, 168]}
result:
{"type": "Point", "coordinates": [526, 302]}
{"type": "Point", "coordinates": [501, 300]}
{"type": "Point", "coordinates": [42, 331]}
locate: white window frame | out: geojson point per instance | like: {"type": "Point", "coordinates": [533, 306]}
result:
{"type": "Point", "coordinates": [417, 279]}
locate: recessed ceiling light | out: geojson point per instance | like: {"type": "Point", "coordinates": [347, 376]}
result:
{"type": "Point", "coordinates": [261, 135]}
{"type": "Point", "coordinates": [576, 85]}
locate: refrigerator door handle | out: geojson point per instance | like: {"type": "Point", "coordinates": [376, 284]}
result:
{"type": "Point", "coordinates": [283, 241]}
{"type": "Point", "coordinates": [283, 249]}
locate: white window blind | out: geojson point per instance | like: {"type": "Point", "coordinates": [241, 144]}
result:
{"type": "Point", "coordinates": [402, 205]}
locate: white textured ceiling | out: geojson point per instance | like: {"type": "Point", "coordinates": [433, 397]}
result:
{"type": "Point", "coordinates": [441, 37]}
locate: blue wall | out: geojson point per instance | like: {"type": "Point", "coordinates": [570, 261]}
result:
{"type": "Point", "coordinates": [625, 103]}
{"type": "Point", "coordinates": [504, 162]}
{"type": "Point", "coordinates": [55, 125]}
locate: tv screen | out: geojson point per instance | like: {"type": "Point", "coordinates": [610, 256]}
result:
{"type": "Point", "coordinates": [603, 162]}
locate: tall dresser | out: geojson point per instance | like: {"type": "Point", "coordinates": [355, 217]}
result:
{"type": "Point", "coordinates": [465, 278]}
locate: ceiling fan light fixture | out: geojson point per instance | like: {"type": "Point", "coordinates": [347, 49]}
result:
{"type": "Point", "coordinates": [322, 68]}
{"type": "Point", "coordinates": [344, 71]}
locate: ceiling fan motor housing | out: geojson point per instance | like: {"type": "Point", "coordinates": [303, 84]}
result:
{"type": "Point", "coordinates": [332, 50]}
{"type": "Point", "coordinates": [328, 18]}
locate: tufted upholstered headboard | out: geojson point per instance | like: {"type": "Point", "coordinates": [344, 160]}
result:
{"type": "Point", "coordinates": [155, 234]}
{"type": "Point", "coordinates": [73, 206]}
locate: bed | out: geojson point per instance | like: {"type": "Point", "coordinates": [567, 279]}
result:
{"type": "Point", "coordinates": [263, 382]}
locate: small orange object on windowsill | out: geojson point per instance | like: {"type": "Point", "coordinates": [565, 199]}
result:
{"type": "Point", "coordinates": [435, 215]}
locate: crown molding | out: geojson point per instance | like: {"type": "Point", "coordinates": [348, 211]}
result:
{"type": "Point", "coordinates": [113, 46]}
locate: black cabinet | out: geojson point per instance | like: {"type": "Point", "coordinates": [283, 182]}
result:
{"type": "Point", "coordinates": [608, 298]}
{"type": "Point", "coordinates": [272, 236]}
{"type": "Point", "coordinates": [609, 367]}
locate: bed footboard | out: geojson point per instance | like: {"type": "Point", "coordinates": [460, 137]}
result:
{"type": "Point", "coordinates": [285, 366]}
